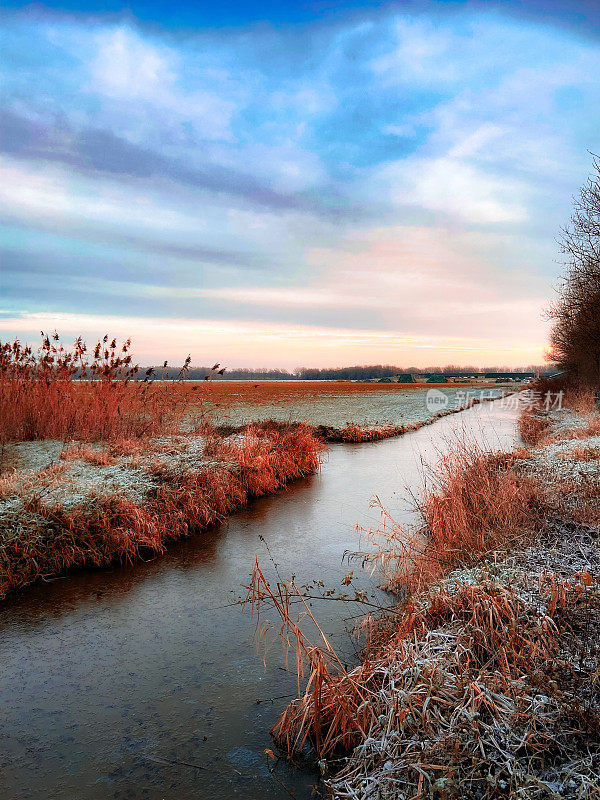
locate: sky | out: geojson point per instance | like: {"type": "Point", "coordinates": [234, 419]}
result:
{"type": "Point", "coordinates": [285, 184]}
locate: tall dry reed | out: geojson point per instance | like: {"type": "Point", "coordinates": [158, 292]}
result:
{"type": "Point", "coordinates": [72, 393]}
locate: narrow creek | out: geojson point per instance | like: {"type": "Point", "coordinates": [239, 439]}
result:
{"type": "Point", "coordinates": [143, 681]}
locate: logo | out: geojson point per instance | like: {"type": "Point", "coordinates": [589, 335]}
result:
{"type": "Point", "coordinates": [436, 400]}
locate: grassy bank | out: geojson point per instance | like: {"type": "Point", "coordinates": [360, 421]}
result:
{"type": "Point", "coordinates": [90, 505]}
{"type": "Point", "coordinates": [484, 682]}
{"type": "Point", "coordinates": [337, 409]}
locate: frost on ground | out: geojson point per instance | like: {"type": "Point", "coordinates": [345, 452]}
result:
{"type": "Point", "coordinates": [576, 460]}
{"type": "Point", "coordinates": [82, 476]}
{"type": "Point", "coordinates": [520, 725]}
{"type": "Point", "coordinates": [565, 421]}
{"type": "Point", "coordinates": [367, 410]}
{"type": "Point", "coordinates": [74, 475]}
{"type": "Point", "coordinates": [36, 455]}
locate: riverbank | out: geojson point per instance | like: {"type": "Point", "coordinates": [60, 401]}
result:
{"type": "Point", "coordinates": [357, 434]}
{"type": "Point", "coordinates": [87, 505]}
{"type": "Point", "coordinates": [484, 681]}
{"type": "Point", "coordinates": [353, 433]}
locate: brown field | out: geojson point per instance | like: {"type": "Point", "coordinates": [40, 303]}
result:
{"type": "Point", "coordinates": [387, 408]}
{"type": "Point", "coordinates": [249, 393]}
{"type": "Point", "coordinates": [337, 405]}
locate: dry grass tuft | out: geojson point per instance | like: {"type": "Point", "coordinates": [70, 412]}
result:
{"type": "Point", "coordinates": [91, 455]}
{"type": "Point", "coordinates": [478, 504]}
{"type": "Point", "coordinates": [356, 434]}
{"type": "Point", "coordinates": [534, 427]}
{"type": "Point", "coordinates": [475, 503]}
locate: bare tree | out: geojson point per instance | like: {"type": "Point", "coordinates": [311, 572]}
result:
{"type": "Point", "coordinates": [575, 335]}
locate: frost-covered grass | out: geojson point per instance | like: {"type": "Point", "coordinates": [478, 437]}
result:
{"type": "Point", "coordinates": [567, 460]}
{"type": "Point", "coordinates": [90, 505]}
{"type": "Point", "coordinates": [342, 407]}
{"type": "Point", "coordinates": [483, 691]}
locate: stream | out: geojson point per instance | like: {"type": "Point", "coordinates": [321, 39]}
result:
{"type": "Point", "coordinates": [145, 681]}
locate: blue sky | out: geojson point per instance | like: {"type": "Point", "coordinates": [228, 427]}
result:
{"type": "Point", "coordinates": [276, 185]}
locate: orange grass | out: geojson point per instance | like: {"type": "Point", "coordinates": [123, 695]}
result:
{"type": "Point", "coordinates": [580, 399]}
{"type": "Point", "coordinates": [41, 397]}
{"type": "Point", "coordinates": [478, 503]}
{"type": "Point", "coordinates": [475, 503]}
{"type": "Point", "coordinates": [327, 714]}
{"type": "Point", "coordinates": [55, 538]}
{"type": "Point", "coordinates": [533, 427]}
{"type": "Point", "coordinates": [91, 455]}
{"type": "Point", "coordinates": [494, 640]}
{"type": "Point", "coordinates": [356, 434]}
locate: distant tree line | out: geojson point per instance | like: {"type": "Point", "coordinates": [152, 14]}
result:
{"type": "Point", "coordinates": [356, 373]}
{"type": "Point", "coordinates": [575, 335]}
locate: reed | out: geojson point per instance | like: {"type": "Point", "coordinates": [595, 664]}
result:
{"type": "Point", "coordinates": [476, 504]}
{"type": "Point", "coordinates": [66, 393]}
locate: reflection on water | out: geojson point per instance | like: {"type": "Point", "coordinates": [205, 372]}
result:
{"type": "Point", "coordinates": [143, 682]}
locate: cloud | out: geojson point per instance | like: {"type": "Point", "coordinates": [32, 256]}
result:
{"type": "Point", "coordinates": [418, 50]}
{"type": "Point", "coordinates": [137, 75]}
{"type": "Point", "coordinates": [455, 187]}
{"type": "Point", "coordinates": [129, 215]}
{"type": "Point", "coordinates": [127, 67]}
{"type": "Point", "coordinates": [431, 281]}
{"type": "Point", "coordinates": [92, 150]}
{"type": "Point", "coordinates": [384, 171]}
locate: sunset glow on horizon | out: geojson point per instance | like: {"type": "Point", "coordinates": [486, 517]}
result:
{"type": "Point", "coordinates": [237, 343]}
